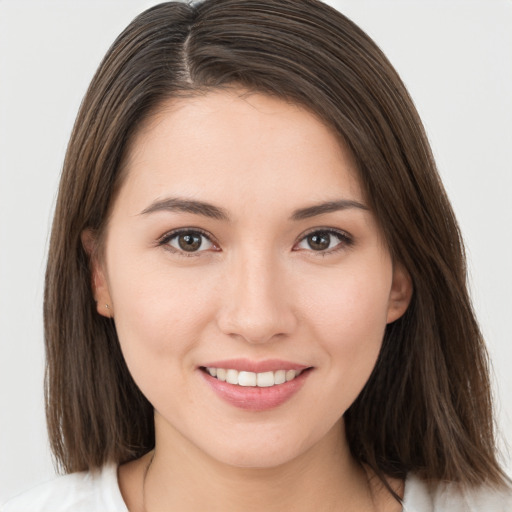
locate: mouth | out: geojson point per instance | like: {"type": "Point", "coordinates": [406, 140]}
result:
{"type": "Point", "coordinates": [252, 379]}
{"type": "Point", "coordinates": [262, 390]}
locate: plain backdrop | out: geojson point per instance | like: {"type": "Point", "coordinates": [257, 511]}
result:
{"type": "Point", "coordinates": [455, 56]}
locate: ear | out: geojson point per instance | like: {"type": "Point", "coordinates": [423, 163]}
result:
{"type": "Point", "coordinates": [401, 293]}
{"type": "Point", "coordinates": [99, 282]}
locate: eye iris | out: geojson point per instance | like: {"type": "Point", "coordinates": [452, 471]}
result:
{"type": "Point", "coordinates": [319, 241]}
{"type": "Point", "coordinates": [189, 242]}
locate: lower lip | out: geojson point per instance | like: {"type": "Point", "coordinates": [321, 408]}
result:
{"type": "Point", "coordinates": [254, 398]}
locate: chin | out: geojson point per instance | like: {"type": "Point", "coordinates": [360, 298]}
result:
{"type": "Point", "coordinates": [263, 450]}
{"type": "Point", "coordinates": [260, 458]}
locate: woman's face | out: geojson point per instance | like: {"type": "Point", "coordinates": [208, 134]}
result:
{"type": "Point", "coordinates": [241, 240]}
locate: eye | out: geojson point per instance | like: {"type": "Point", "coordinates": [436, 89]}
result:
{"type": "Point", "coordinates": [187, 241]}
{"type": "Point", "coordinates": [324, 240]}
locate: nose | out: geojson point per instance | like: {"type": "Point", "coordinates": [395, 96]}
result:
{"type": "Point", "coordinates": [256, 303]}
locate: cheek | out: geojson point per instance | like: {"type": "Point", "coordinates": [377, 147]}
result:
{"type": "Point", "coordinates": [158, 314]}
{"type": "Point", "coordinates": [349, 304]}
{"type": "Point", "coordinates": [348, 315]}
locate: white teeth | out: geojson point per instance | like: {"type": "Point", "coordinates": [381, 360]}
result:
{"type": "Point", "coordinates": [290, 375]}
{"type": "Point", "coordinates": [232, 376]}
{"type": "Point", "coordinates": [280, 377]}
{"type": "Point", "coordinates": [251, 379]}
{"type": "Point", "coordinates": [247, 379]}
{"type": "Point", "coordinates": [265, 379]}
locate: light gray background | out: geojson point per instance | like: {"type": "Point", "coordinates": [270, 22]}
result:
{"type": "Point", "coordinates": [455, 56]}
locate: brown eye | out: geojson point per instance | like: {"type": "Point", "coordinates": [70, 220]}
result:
{"type": "Point", "coordinates": [319, 241]}
{"type": "Point", "coordinates": [325, 241]}
{"type": "Point", "coordinates": [189, 241]}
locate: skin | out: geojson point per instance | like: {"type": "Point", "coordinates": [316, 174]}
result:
{"type": "Point", "coordinates": [258, 290]}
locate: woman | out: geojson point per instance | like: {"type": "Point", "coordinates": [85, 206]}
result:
{"type": "Point", "coordinates": [256, 290]}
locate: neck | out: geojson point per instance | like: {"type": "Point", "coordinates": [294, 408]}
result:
{"type": "Point", "coordinates": [181, 477]}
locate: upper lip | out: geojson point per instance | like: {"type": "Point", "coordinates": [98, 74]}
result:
{"type": "Point", "coordinates": [248, 365]}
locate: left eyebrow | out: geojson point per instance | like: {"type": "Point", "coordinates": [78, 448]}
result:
{"type": "Point", "coordinates": [327, 207]}
{"type": "Point", "coordinates": [176, 204]}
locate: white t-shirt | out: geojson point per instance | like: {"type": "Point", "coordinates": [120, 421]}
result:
{"type": "Point", "coordinates": [99, 492]}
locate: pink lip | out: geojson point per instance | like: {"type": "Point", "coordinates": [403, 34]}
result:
{"type": "Point", "coordinates": [255, 398]}
{"type": "Point", "coordinates": [246, 365]}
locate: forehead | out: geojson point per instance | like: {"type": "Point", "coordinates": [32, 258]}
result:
{"type": "Point", "coordinates": [248, 143]}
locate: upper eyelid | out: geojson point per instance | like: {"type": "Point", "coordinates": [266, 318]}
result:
{"type": "Point", "coordinates": [346, 240]}
{"type": "Point", "coordinates": [322, 229]}
{"type": "Point", "coordinates": [164, 240]}
{"type": "Point", "coordinates": [170, 234]}
{"type": "Point", "coordinates": [335, 231]}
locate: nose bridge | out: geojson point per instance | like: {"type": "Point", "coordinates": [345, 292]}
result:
{"type": "Point", "coordinates": [255, 306]}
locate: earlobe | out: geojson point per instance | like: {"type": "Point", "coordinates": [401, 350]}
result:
{"type": "Point", "coordinates": [99, 283]}
{"type": "Point", "coordinates": [401, 293]}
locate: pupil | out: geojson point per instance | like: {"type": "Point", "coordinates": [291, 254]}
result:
{"type": "Point", "coordinates": [189, 242]}
{"type": "Point", "coordinates": [319, 241]}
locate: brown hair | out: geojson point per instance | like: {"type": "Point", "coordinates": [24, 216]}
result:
{"type": "Point", "coordinates": [427, 405]}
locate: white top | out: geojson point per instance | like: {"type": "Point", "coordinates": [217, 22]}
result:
{"type": "Point", "coordinates": [99, 492]}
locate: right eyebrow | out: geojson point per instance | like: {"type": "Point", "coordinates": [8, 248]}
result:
{"type": "Point", "coordinates": [177, 204]}
{"type": "Point", "coordinates": [327, 207]}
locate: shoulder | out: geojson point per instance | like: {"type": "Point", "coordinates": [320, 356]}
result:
{"type": "Point", "coordinates": [76, 492]}
{"type": "Point", "coordinates": [422, 496]}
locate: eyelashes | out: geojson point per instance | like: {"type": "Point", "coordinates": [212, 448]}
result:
{"type": "Point", "coordinates": [188, 242]}
{"type": "Point", "coordinates": [194, 241]}
{"type": "Point", "coordinates": [325, 241]}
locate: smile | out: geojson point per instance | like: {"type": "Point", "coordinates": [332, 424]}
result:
{"type": "Point", "coordinates": [253, 379]}
{"type": "Point", "coordinates": [255, 386]}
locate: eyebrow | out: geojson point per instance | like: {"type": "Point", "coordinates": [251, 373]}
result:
{"type": "Point", "coordinates": [176, 204]}
{"type": "Point", "coordinates": [327, 207]}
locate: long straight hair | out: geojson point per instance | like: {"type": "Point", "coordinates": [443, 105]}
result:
{"type": "Point", "coordinates": [427, 405]}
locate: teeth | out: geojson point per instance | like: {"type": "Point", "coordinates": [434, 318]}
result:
{"type": "Point", "coordinates": [265, 380]}
{"type": "Point", "coordinates": [232, 376]}
{"type": "Point", "coordinates": [290, 375]}
{"type": "Point", "coordinates": [247, 379]}
{"type": "Point", "coordinates": [280, 376]}
{"type": "Point", "coordinates": [251, 379]}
